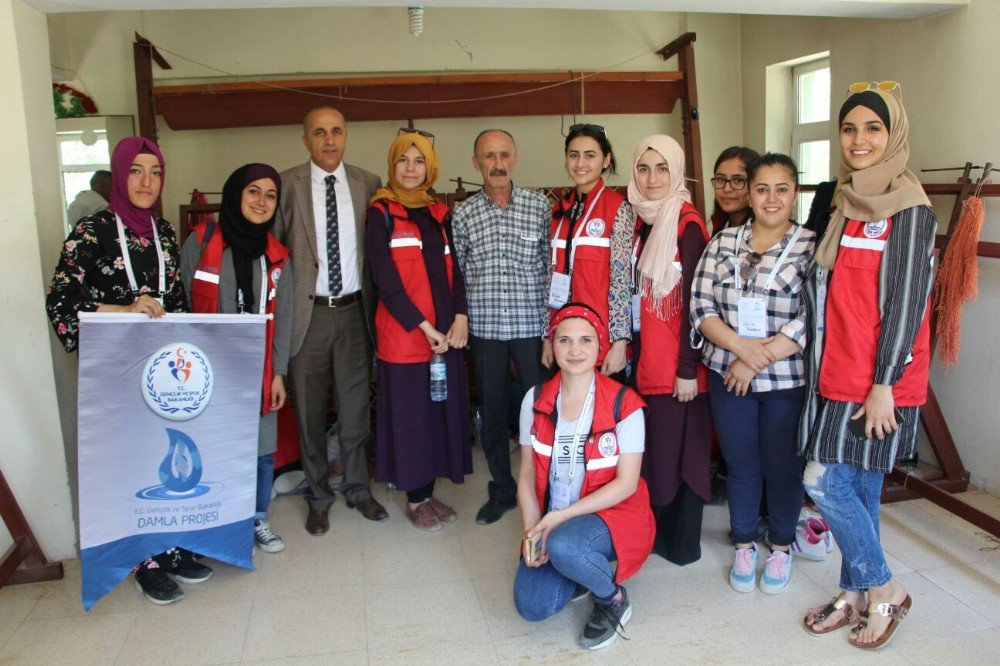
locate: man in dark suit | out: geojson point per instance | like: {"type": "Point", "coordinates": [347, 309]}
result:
{"type": "Point", "coordinates": [321, 218]}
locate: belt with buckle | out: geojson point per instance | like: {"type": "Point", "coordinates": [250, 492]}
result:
{"type": "Point", "coordinates": [339, 302]}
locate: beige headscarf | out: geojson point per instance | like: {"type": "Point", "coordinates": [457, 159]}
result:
{"type": "Point", "coordinates": [418, 197]}
{"type": "Point", "coordinates": [658, 277]}
{"type": "Point", "coordinates": [876, 192]}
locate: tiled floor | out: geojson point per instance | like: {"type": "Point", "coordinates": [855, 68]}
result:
{"type": "Point", "coordinates": [385, 593]}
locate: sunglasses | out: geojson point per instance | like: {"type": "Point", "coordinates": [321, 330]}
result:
{"type": "Point", "coordinates": [748, 269]}
{"type": "Point", "coordinates": [413, 130]}
{"type": "Point", "coordinates": [579, 127]}
{"type": "Point", "coordinates": [737, 182]}
{"type": "Point", "coordinates": [862, 86]}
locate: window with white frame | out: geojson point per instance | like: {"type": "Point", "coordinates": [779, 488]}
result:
{"type": "Point", "coordinates": [81, 154]}
{"type": "Point", "coordinates": [811, 126]}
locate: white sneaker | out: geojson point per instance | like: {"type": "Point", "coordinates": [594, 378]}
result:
{"type": "Point", "coordinates": [777, 571]}
{"type": "Point", "coordinates": [267, 540]}
{"type": "Point", "coordinates": [813, 540]}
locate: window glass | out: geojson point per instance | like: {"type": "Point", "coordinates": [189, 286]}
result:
{"type": "Point", "coordinates": [813, 95]}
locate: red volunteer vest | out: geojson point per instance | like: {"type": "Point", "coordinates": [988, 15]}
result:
{"type": "Point", "coordinates": [657, 369]}
{"type": "Point", "coordinates": [854, 322]}
{"type": "Point", "coordinates": [590, 281]}
{"type": "Point", "coordinates": [631, 521]}
{"type": "Point", "coordinates": [205, 291]}
{"type": "Point", "coordinates": [394, 343]}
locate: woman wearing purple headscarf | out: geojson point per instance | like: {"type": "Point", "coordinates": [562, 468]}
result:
{"type": "Point", "coordinates": [124, 259]}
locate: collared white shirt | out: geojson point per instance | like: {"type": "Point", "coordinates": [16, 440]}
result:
{"type": "Point", "coordinates": [348, 232]}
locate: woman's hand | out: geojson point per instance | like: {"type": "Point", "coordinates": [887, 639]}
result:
{"type": "Point", "coordinates": [685, 389]}
{"type": "Point", "coordinates": [879, 411]}
{"type": "Point", "coordinates": [145, 304]}
{"type": "Point", "coordinates": [435, 338]}
{"type": "Point", "coordinates": [549, 522]}
{"type": "Point", "coordinates": [754, 352]}
{"type": "Point", "coordinates": [615, 359]}
{"type": "Point", "coordinates": [278, 393]}
{"type": "Point", "coordinates": [547, 356]}
{"type": "Point", "coordinates": [739, 377]}
{"type": "Point", "coordinates": [458, 334]}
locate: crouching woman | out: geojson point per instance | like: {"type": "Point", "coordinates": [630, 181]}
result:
{"type": "Point", "coordinates": [579, 487]}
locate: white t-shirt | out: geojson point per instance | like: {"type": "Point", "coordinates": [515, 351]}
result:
{"type": "Point", "coordinates": [631, 434]}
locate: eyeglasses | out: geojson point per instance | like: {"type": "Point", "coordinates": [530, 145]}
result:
{"type": "Point", "coordinates": [579, 127]}
{"type": "Point", "coordinates": [862, 86]}
{"type": "Point", "coordinates": [414, 130]}
{"type": "Point", "coordinates": [736, 182]}
{"type": "Point", "coordinates": [748, 269]}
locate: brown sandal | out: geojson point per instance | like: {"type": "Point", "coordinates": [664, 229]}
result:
{"type": "Point", "coordinates": [896, 613]}
{"type": "Point", "coordinates": [836, 604]}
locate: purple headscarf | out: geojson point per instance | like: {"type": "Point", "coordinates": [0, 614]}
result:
{"type": "Point", "coordinates": [139, 220]}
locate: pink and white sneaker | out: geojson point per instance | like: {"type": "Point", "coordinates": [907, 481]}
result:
{"type": "Point", "coordinates": [813, 540]}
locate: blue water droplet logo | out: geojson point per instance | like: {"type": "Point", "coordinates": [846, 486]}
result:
{"type": "Point", "coordinates": [180, 470]}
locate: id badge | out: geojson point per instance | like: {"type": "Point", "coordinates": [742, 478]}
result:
{"type": "Point", "coordinates": [820, 300]}
{"type": "Point", "coordinates": [559, 290]}
{"type": "Point", "coordinates": [636, 312]}
{"type": "Point", "coordinates": [559, 496]}
{"type": "Point", "coordinates": [752, 314]}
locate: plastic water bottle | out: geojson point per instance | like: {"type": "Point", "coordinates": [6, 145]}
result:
{"type": "Point", "coordinates": [477, 427]}
{"type": "Point", "coordinates": [439, 378]}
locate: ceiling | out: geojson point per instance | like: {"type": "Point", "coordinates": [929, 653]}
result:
{"type": "Point", "coordinates": [893, 9]}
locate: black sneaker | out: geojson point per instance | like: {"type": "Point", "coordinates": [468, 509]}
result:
{"type": "Point", "coordinates": [157, 586]}
{"type": "Point", "coordinates": [606, 623]}
{"type": "Point", "coordinates": [492, 511]}
{"type": "Point", "coordinates": [186, 569]}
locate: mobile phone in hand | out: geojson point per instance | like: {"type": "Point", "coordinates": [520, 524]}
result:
{"type": "Point", "coordinates": [857, 426]}
{"type": "Point", "coordinates": [532, 548]}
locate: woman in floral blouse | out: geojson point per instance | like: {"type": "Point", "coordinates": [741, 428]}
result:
{"type": "Point", "coordinates": [95, 274]}
{"type": "Point", "coordinates": [92, 274]}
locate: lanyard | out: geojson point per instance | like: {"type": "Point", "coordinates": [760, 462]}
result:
{"type": "Point", "coordinates": [581, 224]}
{"type": "Point", "coordinates": [777, 265]}
{"type": "Point", "coordinates": [263, 291]}
{"type": "Point", "coordinates": [579, 431]}
{"type": "Point", "coordinates": [160, 269]}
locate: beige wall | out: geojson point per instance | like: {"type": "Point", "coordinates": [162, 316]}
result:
{"type": "Point", "coordinates": [316, 41]}
{"type": "Point", "coordinates": [31, 454]}
{"type": "Point", "coordinates": [952, 95]}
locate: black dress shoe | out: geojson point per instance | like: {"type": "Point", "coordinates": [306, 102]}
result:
{"type": "Point", "coordinates": [370, 509]}
{"type": "Point", "coordinates": [492, 511]}
{"type": "Point", "coordinates": [318, 522]}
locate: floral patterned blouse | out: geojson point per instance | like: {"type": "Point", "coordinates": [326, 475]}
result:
{"type": "Point", "coordinates": [91, 272]}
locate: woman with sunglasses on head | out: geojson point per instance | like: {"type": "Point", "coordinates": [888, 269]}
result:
{"type": "Point", "coordinates": [732, 196]}
{"type": "Point", "coordinates": [745, 302]}
{"type": "Point", "coordinates": [669, 373]}
{"type": "Point", "coordinates": [421, 314]}
{"type": "Point", "coordinates": [124, 259]}
{"type": "Point", "coordinates": [868, 355]}
{"type": "Point", "coordinates": [591, 240]}
{"type": "Point", "coordinates": [583, 501]}
{"type": "Point", "coordinates": [238, 267]}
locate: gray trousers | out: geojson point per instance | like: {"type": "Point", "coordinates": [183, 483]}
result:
{"type": "Point", "coordinates": [335, 350]}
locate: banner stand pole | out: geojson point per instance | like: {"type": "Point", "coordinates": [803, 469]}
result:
{"type": "Point", "coordinates": [25, 549]}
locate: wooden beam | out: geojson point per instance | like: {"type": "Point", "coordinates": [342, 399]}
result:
{"type": "Point", "coordinates": [25, 549]}
{"type": "Point", "coordinates": [142, 56]}
{"type": "Point", "coordinates": [683, 48]}
{"type": "Point", "coordinates": [942, 497]}
{"type": "Point", "coordinates": [208, 106]}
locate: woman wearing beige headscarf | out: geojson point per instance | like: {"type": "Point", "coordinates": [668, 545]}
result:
{"type": "Point", "coordinates": [868, 355]}
{"type": "Point", "coordinates": [421, 315]}
{"type": "Point", "coordinates": [670, 238]}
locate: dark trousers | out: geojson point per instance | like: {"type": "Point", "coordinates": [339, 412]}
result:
{"type": "Point", "coordinates": [758, 437]}
{"type": "Point", "coordinates": [678, 527]}
{"type": "Point", "coordinates": [490, 360]}
{"type": "Point", "coordinates": [418, 495]}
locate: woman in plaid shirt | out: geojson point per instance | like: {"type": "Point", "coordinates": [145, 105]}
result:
{"type": "Point", "coordinates": [745, 302]}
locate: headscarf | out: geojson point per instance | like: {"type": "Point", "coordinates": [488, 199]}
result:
{"type": "Point", "coordinates": [418, 197]}
{"type": "Point", "coordinates": [246, 240]}
{"type": "Point", "coordinates": [139, 220]}
{"type": "Point", "coordinates": [658, 277]}
{"type": "Point", "coordinates": [879, 191]}
{"type": "Point", "coordinates": [584, 312]}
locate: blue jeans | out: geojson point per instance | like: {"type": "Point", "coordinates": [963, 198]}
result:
{"type": "Point", "coordinates": [265, 480]}
{"type": "Point", "coordinates": [580, 551]}
{"type": "Point", "coordinates": [757, 434]}
{"type": "Point", "coordinates": [849, 499]}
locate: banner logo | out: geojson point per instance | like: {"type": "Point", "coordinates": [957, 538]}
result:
{"type": "Point", "coordinates": [180, 471]}
{"type": "Point", "coordinates": [177, 382]}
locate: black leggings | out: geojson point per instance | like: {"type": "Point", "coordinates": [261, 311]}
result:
{"type": "Point", "coordinates": [418, 495]}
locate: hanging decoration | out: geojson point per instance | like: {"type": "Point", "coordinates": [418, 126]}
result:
{"type": "Point", "coordinates": [70, 102]}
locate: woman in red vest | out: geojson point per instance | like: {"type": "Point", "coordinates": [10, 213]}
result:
{"type": "Point", "coordinates": [670, 377]}
{"type": "Point", "coordinates": [591, 243]}
{"type": "Point", "coordinates": [745, 302]}
{"type": "Point", "coordinates": [421, 314]}
{"type": "Point", "coordinates": [579, 488]}
{"type": "Point", "coordinates": [732, 191]}
{"type": "Point", "coordinates": [236, 267]}
{"type": "Point", "coordinates": [869, 354]}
